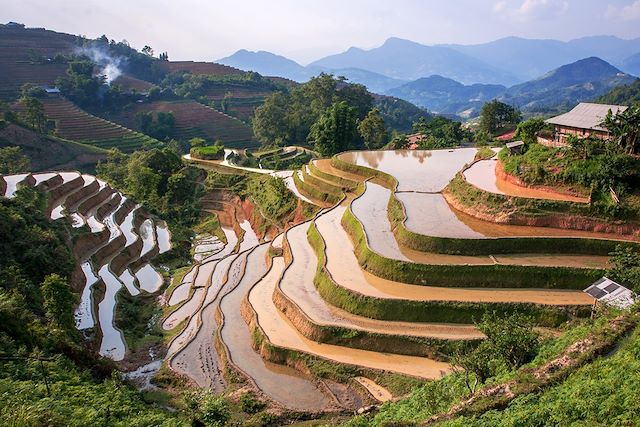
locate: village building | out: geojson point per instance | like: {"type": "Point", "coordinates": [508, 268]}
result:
{"type": "Point", "coordinates": [515, 147]}
{"type": "Point", "coordinates": [584, 120]}
{"type": "Point", "coordinates": [413, 141]}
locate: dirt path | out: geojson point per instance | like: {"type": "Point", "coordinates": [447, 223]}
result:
{"type": "Point", "coordinates": [283, 334]}
{"type": "Point", "coordinates": [380, 393]}
{"type": "Point", "coordinates": [297, 284]}
{"type": "Point", "coordinates": [343, 266]}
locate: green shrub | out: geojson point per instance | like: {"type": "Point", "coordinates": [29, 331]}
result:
{"type": "Point", "coordinates": [212, 152]}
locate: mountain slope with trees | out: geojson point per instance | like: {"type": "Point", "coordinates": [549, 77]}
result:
{"type": "Point", "coordinates": [564, 87]}
{"type": "Point", "coordinates": [442, 95]}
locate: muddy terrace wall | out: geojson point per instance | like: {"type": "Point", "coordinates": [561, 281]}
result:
{"type": "Point", "coordinates": [433, 348]}
{"type": "Point", "coordinates": [531, 212]}
{"type": "Point", "coordinates": [314, 192]}
{"type": "Point", "coordinates": [495, 245]}
{"type": "Point", "coordinates": [490, 276]}
{"type": "Point", "coordinates": [430, 311]}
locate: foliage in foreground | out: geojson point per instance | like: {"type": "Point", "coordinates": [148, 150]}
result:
{"type": "Point", "coordinates": [36, 322]}
{"type": "Point", "coordinates": [599, 393]}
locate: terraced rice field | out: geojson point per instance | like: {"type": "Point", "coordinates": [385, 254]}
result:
{"type": "Point", "coordinates": [194, 120]}
{"type": "Point", "coordinates": [270, 311]}
{"type": "Point", "coordinates": [208, 68]}
{"type": "Point", "coordinates": [19, 48]}
{"type": "Point", "coordinates": [77, 125]}
{"type": "Point", "coordinates": [109, 255]}
{"type": "Point", "coordinates": [305, 308]}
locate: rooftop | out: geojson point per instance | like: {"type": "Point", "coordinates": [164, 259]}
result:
{"type": "Point", "coordinates": [586, 116]}
{"type": "Point", "coordinates": [610, 292]}
{"type": "Point", "coordinates": [514, 144]}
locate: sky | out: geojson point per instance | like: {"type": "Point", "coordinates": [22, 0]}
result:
{"type": "Point", "coordinates": [306, 30]}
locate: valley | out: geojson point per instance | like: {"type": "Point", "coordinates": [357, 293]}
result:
{"type": "Point", "coordinates": [363, 241]}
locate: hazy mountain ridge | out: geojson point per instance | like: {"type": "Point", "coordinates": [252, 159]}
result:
{"type": "Point", "coordinates": [583, 80]}
{"type": "Point", "coordinates": [443, 95]}
{"type": "Point", "coordinates": [567, 85]}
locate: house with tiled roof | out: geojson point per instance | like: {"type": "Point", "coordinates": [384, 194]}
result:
{"type": "Point", "coordinates": [583, 121]}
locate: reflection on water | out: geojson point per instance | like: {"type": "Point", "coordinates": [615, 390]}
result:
{"type": "Point", "coordinates": [429, 214]}
{"type": "Point", "coordinates": [299, 393]}
{"type": "Point", "coordinates": [415, 170]}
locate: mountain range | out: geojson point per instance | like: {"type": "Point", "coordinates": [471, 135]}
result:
{"type": "Point", "coordinates": [457, 79]}
{"type": "Point", "coordinates": [557, 90]}
{"type": "Point", "coordinates": [505, 61]}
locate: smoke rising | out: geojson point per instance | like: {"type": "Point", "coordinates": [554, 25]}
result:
{"type": "Point", "coordinates": [110, 67]}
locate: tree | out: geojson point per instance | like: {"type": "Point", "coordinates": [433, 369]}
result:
{"type": "Point", "coordinates": [58, 301]}
{"type": "Point", "coordinates": [624, 126]}
{"type": "Point", "coordinates": [358, 97]}
{"type": "Point", "coordinates": [480, 362]}
{"type": "Point", "coordinates": [626, 267]}
{"type": "Point", "coordinates": [372, 130]}
{"type": "Point", "coordinates": [511, 336]}
{"type": "Point", "coordinates": [271, 120]}
{"type": "Point", "coordinates": [196, 142]}
{"type": "Point", "coordinates": [528, 130]}
{"type": "Point", "coordinates": [13, 161]}
{"type": "Point", "coordinates": [440, 132]}
{"type": "Point", "coordinates": [147, 50]}
{"type": "Point", "coordinates": [34, 114]}
{"type": "Point", "coordinates": [496, 115]}
{"type": "Point", "coordinates": [335, 129]}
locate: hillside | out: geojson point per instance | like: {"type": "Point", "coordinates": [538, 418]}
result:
{"type": "Point", "coordinates": [194, 67]}
{"type": "Point", "coordinates": [77, 125]}
{"type": "Point", "coordinates": [25, 57]}
{"type": "Point", "coordinates": [591, 363]}
{"type": "Point", "coordinates": [622, 95]}
{"type": "Point", "coordinates": [632, 64]}
{"type": "Point", "coordinates": [406, 60]}
{"type": "Point", "coordinates": [193, 120]}
{"type": "Point", "coordinates": [564, 87]}
{"type": "Point", "coordinates": [49, 153]}
{"type": "Point", "coordinates": [442, 95]}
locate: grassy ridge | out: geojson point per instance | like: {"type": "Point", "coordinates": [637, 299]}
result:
{"type": "Point", "coordinates": [399, 344]}
{"type": "Point", "coordinates": [320, 184]}
{"type": "Point", "coordinates": [497, 204]}
{"type": "Point", "coordinates": [344, 183]}
{"type": "Point", "coordinates": [491, 276]}
{"type": "Point", "coordinates": [427, 311]}
{"type": "Point", "coordinates": [314, 192]}
{"type": "Point", "coordinates": [497, 245]}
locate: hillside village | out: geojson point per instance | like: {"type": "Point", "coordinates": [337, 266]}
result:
{"type": "Point", "coordinates": [406, 235]}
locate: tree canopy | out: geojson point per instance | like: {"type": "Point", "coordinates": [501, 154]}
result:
{"type": "Point", "coordinates": [496, 116]}
{"type": "Point", "coordinates": [373, 130]}
{"type": "Point", "coordinates": [287, 118]}
{"type": "Point", "coordinates": [335, 130]}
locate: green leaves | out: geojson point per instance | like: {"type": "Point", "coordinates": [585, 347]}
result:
{"type": "Point", "coordinates": [335, 129]}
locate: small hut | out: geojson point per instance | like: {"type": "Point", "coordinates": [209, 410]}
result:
{"type": "Point", "coordinates": [515, 147]}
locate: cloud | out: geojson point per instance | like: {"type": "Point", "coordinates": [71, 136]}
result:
{"type": "Point", "coordinates": [530, 10]}
{"type": "Point", "coordinates": [630, 12]}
